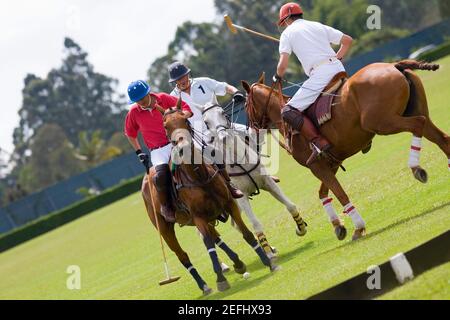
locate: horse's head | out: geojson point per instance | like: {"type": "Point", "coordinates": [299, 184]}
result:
{"type": "Point", "coordinates": [178, 128]}
{"type": "Point", "coordinates": [216, 121]}
{"type": "Point", "coordinates": [263, 104]}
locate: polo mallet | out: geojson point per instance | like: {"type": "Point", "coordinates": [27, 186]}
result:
{"type": "Point", "coordinates": [234, 29]}
{"type": "Point", "coordinates": [168, 279]}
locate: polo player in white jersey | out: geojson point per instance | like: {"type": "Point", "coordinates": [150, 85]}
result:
{"type": "Point", "coordinates": [197, 92]}
{"type": "Point", "coordinates": [311, 43]}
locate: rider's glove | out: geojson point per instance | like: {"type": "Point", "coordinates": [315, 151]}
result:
{"type": "Point", "coordinates": [276, 78]}
{"type": "Point", "coordinates": [143, 158]}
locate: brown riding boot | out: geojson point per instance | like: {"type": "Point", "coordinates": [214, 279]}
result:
{"type": "Point", "coordinates": [320, 144]}
{"type": "Point", "coordinates": [235, 192]}
{"type": "Point", "coordinates": [298, 120]}
{"type": "Point", "coordinates": [162, 181]}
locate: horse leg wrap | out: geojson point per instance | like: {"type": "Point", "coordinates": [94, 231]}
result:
{"type": "Point", "coordinates": [200, 282]}
{"type": "Point", "coordinates": [263, 242]}
{"type": "Point", "coordinates": [230, 253]}
{"type": "Point", "coordinates": [292, 117]}
{"type": "Point", "coordinates": [414, 155]}
{"type": "Point", "coordinates": [260, 252]}
{"type": "Point", "coordinates": [358, 221]}
{"type": "Point", "coordinates": [213, 254]}
{"type": "Point", "coordinates": [329, 209]}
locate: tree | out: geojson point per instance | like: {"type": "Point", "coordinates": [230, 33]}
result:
{"type": "Point", "coordinates": [408, 14]}
{"type": "Point", "coordinates": [211, 50]}
{"type": "Point", "coordinates": [444, 8]}
{"type": "Point", "coordinates": [119, 141]}
{"type": "Point", "coordinates": [51, 159]}
{"type": "Point", "coordinates": [93, 150]}
{"type": "Point", "coordinates": [74, 96]}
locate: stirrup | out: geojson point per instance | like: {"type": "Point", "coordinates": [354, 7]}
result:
{"type": "Point", "coordinates": [317, 153]}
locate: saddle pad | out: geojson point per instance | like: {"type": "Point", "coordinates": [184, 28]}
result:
{"type": "Point", "coordinates": [320, 110]}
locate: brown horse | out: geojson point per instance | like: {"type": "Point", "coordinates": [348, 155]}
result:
{"type": "Point", "coordinates": [204, 196]}
{"type": "Point", "coordinates": [383, 99]}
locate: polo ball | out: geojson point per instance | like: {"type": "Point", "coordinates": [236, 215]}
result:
{"type": "Point", "coordinates": [246, 275]}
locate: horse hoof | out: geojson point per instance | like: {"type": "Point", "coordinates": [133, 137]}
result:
{"type": "Point", "coordinates": [225, 268]}
{"type": "Point", "coordinates": [420, 174]}
{"type": "Point", "coordinates": [274, 267]}
{"type": "Point", "coordinates": [272, 256]}
{"type": "Point", "coordinates": [367, 148]}
{"type": "Point", "coordinates": [359, 233]}
{"type": "Point", "coordinates": [301, 230]}
{"type": "Point", "coordinates": [240, 270]}
{"type": "Point", "coordinates": [223, 286]}
{"type": "Point", "coordinates": [206, 290]}
{"type": "Point", "coordinates": [341, 232]}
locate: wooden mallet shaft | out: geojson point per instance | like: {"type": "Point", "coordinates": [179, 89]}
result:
{"type": "Point", "coordinates": [234, 28]}
{"type": "Point", "coordinates": [168, 279]}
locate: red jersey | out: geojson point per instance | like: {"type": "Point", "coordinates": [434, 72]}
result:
{"type": "Point", "coordinates": [150, 122]}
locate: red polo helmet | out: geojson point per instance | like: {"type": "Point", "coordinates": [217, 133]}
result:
{"type": "Point", "coordinates": [289, 9]}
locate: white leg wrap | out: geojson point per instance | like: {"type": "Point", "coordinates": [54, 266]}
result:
{"type": "Point", "coordinates": [351, 211]}
{"type": "Point", "coordinates": [448, 164]}
{"type": "Point", "coordinates": [329, 209]}
{"type": "Point", "coordinates": [414, 155]}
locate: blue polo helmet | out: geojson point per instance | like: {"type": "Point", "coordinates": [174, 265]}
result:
{"type": "Point", "coordinates": [137, 90]}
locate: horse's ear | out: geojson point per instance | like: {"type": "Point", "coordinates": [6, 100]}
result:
{"type": "Point", "coordinates": [262, 78]}
{"type": "Point", "coordinates": [246, 86]}
{"type": "Point", "coordinates": [179, 103]}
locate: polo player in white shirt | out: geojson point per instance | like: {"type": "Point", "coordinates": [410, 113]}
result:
{"type": "Point", "coordinates": [311, 43]}
{"type": "Point", "coordinates": [197, 92]}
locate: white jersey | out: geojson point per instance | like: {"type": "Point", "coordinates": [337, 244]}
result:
{"type": "Point", "coordinates": [203, 91]}
{"type": "Point", "coordinates": [310, 41]}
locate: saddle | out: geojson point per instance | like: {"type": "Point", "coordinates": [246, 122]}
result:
{"type": "Point", "coordinates": [320, 111]}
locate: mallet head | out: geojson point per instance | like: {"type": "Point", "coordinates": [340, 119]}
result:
{"type": "Point", "coordinates": [230, 24]}
{"type": "Point", "coordinates": [168, 281]}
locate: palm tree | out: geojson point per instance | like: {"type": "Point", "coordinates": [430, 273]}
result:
{"type": "Point", "coordinates": [94, 150]}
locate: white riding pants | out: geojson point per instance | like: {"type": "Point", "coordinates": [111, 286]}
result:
{"type": "Point", "coordinates": [319, 78]}
{"type": "Point", "coordinates": [161, 155]}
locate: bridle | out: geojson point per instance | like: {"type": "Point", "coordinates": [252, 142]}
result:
{"type": "Point", "coordinates": [244, 172]}
{"type": "Point", "coordinates": [250, 107]}
{"type": "Point", "coordinates": [219, 127]}
{"type": "Point", "coordinates": [188, 182]}
{"type": "Point", "coordinates": [188, 124]}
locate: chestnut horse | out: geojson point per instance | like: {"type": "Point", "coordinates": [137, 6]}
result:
{"type": "Point", "coordinates": [383, 99]}
{"type": "Point", "coordinates": [204, 195]}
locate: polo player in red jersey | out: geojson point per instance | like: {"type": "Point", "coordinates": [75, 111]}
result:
{"type": "Point", "coordinates": [145, 117]}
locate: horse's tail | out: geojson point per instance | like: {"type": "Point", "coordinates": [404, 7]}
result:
{"type": "Point", "coordinates": [406, 67]}
{"type": "Point", "coordinates": [416, 65]}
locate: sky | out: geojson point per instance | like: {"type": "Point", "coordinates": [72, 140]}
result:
{"type": "Point", "coordinates": [121, 37]}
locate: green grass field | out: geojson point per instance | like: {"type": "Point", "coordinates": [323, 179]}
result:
{"type": "Point", "coordinates": [119, 254]}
